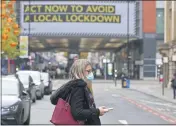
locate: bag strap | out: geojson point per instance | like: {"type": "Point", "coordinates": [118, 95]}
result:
{"type": "Point", "coordinates": [86, 90]}
{"type": "Point", "coordinates": [69, 95]}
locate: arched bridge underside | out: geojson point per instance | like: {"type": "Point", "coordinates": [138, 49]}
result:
{"type": "Point", "coordinates": [76, 44]}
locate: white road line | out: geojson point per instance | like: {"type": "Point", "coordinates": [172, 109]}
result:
{"type": "Point", "coordinates": [115, 95]}
{"type": "Point", "coordinates": [123, 122]}
{"type": "Point", "coordinates": [159, 103]}
{"type": "Point", "coordinates": [160, 109]}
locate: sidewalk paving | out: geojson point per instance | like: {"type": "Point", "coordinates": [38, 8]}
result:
{"type": "Point", "coordinates": [149, 87]}
{"type": "Point", "coordinates": [155, 89]}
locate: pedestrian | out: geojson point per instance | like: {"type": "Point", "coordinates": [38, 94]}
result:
{"type": "Point", "coordinates": [173, 85]}
{"type": "Point", "coordinates": [81, 102]}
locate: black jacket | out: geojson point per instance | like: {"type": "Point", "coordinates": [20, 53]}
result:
{"type": "Point", "coordinates": [79, 101]}
{"type": "Point", "coordinates": [173, 83]}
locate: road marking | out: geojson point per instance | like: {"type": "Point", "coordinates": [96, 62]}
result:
{"type": "Point", "coordinates": [115, 95]}
{"type": "Point", "coordinates": [140, 106]}
{"type": "Point", "coordinates": [160, 109]}
{"type": "Point", "coordinates": [172, 121]}
{"type": "Point", "coordinates": [132, 102]}
{"type": "Point", "coordinates": [144, 108]}
{"type": "Point", "coordinates": [106, 90]}
{"type": "Point", "coordinates": [123, 121]}
{"type": "Point", "coordinates": [150, 110]}
{"type": "Point", "coordinates": [163, 117]}
{"type": "Point", "coordinates": [159, 103]}
{"type": "Point", "coordinates": [147, 108]}
{"type": "Point", "coordinates": [155, 113]}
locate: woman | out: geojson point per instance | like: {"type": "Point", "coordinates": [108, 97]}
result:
{"type": "Point", "coordinates": [82, 103]}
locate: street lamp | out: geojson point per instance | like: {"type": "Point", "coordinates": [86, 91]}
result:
{"type": "Point", "coordinates": [105, 61]}
{"type": "Point", "coordinates": [165, 61]}
{"type": "Point", "coordinates": [128, 37]}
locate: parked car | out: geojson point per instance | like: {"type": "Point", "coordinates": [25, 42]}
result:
{"type": "Point", "coordinates": [37, 80]}
{"type": "Point", "coordinates": [16, 103]}
{"type": "Point", "coordinates": [28, 84]}
{"type": "Point", "coordinates": [47, 82]}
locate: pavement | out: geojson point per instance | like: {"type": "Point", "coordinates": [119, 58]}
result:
{"type": "Point", "coordinates": [130, 106]}
{"type": "Point", "coordinates": [149, 87]}
{"type": "Point", "coordinates": [155, 89]}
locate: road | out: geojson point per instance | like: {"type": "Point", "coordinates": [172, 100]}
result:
{"type": "Point", "coordinates": [130, 107]}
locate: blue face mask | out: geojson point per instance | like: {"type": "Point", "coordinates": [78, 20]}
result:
{"type": "Point", "coordinates": [90, 76]}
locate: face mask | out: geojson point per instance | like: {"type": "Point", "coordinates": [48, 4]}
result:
{"type": "Point", "coordinates": [90, 76]}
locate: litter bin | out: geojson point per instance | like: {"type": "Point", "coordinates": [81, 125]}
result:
{"type": "Point", "coordinates": [124, 82]}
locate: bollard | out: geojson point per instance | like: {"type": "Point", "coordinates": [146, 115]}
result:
{"type": "Point", "coordinates": [115, 79]}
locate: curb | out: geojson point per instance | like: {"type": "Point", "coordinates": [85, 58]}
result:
{"type": "Point", "coordinates": [153, 96]}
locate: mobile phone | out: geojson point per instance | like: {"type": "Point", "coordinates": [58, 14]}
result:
{"type": "Point", "coordinates": [110, 108]}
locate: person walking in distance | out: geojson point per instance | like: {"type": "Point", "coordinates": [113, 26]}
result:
{"type": "Point", "coordinates": [81, 102]}
{"type": "Point", "coordinates": [174, 85]}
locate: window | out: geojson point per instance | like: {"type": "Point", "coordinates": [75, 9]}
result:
{"type": "Point", "coordinates": [160, 20]}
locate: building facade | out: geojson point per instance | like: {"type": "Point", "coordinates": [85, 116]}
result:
{"type": "Point", "coordinates": [149, 39]}
{"type": "Point", "coordinates": [142, 52]}
{"type": "Point", "coordinates": [168, 49]}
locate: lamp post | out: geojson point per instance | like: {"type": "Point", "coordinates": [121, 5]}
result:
{"type": "Point", "coordinates": [165, 61]}
{"type": "Point", "coordinates": [128, 51]}
{"type": "Point", "coordinates": [29, 28]}
{"type": "Point", "coordinates": [105, 61]}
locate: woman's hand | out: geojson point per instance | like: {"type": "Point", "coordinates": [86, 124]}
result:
{"type": "Point", "coordinates": [103, 110]}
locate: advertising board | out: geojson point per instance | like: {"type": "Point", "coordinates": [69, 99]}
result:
{"type": "Point", "coordinates": [78, 18]}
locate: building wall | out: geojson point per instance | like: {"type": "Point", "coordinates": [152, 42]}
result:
{"type": "Point", "coordinates": [170, 39]}
{"type": "Point", "coordinates": [159, 4]}
{"type": "Point", "coordinates": [149, 15]}
{"type": "Point", "coordinates": [149, 39]}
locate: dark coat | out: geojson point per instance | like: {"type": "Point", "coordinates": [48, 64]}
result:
{"type": "Point", "coordinates": [172, 83]}
{"type": "Point", "coordinates": [79, 102]}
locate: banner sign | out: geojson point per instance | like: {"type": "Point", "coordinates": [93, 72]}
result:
{"type": "Point", "coordinates": [76, 18]}
{"type": "Point", "coordinates": [24, 46]}
{"type": "Point", "coordinates": [43, 13]}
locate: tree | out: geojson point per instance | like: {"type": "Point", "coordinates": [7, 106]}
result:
{"type": "Point", "coordinates": [9, 31]}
